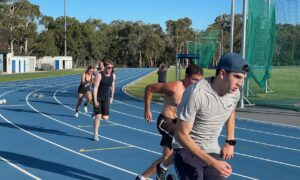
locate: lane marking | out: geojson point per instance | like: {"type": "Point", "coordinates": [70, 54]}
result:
{"type": "Point", "coordinates": [221, 135]}
{"type": "Point", "coordinates": [269, 133]}
{"type": "Point", "coordinates": [68, 149]}
{"type": "Point", "coordinates": [85, 126]}
{"type": "Point", "coordinates": [266, 144]}
{"type": "Point", "coordinates": [108, 148]}
{"type": "Point", "coordinates": [17, 167]}
{"type": "Point", "coordinates": [268, 160]}
{"type": "Point", "coordinates": [74, 127]}
{"type": "Point", "coordinates": [90, 132]}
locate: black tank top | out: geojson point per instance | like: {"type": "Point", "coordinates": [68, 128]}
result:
{"type": "Point", "coordinates": [104, 86]}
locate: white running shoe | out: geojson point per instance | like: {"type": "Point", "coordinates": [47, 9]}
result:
{"type": "Point", "coordinates": [76, 114]}
{"type": "Point", "coordinates": [96, 138]}
{"type": "Point", "coordinates": [85, 109]}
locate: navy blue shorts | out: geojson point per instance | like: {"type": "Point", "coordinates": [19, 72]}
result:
{"type": "Point", "coordinates": [166, 127]}
{"type": "Point", "coordinates": [190, 167]}
{"type": "Point", "coordinates": [103, 107]}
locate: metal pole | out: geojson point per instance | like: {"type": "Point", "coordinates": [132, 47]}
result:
{"type": "Point", "coordinates": [177, 68]}
{"type": "Point", "coordinates": [65, 28]}
{"type": "Point", "coordinates": [232, 25]}
{"type": "Point", "coordinates": [244, 47]}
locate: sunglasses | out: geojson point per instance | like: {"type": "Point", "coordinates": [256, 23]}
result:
{"type": "Point", "coordinates": [109, 67]}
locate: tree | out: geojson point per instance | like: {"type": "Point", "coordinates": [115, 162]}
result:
{"type": "Point", "coordinates": [19, 19]}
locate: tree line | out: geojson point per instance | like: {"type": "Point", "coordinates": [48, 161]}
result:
{"type": "Point", "coordinates": [129, 44]}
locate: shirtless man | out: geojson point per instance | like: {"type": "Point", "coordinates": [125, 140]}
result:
{"type": "Point", "coordinates": [166, 121]}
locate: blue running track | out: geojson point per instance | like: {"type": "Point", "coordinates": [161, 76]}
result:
{"type": "Point", "coordinates": [41, 138]}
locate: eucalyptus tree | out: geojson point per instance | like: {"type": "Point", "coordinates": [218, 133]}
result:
{"type": "Point", "coordinates": [153, 43]}
{"type": "Point", "coordinates": [19, 18]}
{"type": "Point", "coordinates": [178, 32]}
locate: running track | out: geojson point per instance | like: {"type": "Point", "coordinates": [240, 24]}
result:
{"type": "Point", "coordinates": [41, 138]}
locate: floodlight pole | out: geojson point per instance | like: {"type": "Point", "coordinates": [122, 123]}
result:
{"type": "Point", "coordinates": [243, 46]}
{"type": "Point", "coordinates": [232, 25]}
{"type": "Point", "coordinates": [65, 28]}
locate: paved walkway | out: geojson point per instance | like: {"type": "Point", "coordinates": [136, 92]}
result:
{"type": "Point", "coordinates": [275, 115]}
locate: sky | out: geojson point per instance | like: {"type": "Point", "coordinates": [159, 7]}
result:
{"type": "Point", "coordinates": [201, 12]}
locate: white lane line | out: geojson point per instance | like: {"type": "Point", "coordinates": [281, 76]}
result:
{"type": "Point", "coordinates": [135, 106]}
{"type": "Point", "coordinates": [221, 135]}
{"type": "Point", "coordinates": [245, 129]}
{"type": "Point", "coordinates": [267, 144]}
{"type": "Point", "coordinates": [17, 167]}
{"type": "Point", "coordinates": [268, 133]}
{"type": "Point", "coordinates": [269, 123]}
{"type": "Point", "coordinates": [15, 105]}
{"type": "Point", "coordinates": [246, 177]}
{"type": "Point", "coordinates": [67, 149]}
{"type": "Point", "coordinates": [268, 160]}
{"type": "Point", "coordinates": [69, 125]}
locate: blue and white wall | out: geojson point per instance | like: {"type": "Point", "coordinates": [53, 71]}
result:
{"type": "Point", "coordinates": [63, 62]}
{"type": "Point", "coordinates": [56, 62]}
{"type": "Point", "coordinates": [20, 64]}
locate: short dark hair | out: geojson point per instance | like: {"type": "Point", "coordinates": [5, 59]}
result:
{"type": "Point", "coordinates": [106, 61]}
{"type": "Point", "coordinates": [193, 69]}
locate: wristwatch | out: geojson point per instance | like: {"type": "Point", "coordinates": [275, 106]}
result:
{"type": "Point", "coordinates": [231, 142]}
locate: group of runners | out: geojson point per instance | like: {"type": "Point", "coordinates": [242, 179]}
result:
{"type": "Point", "coordinates": [102, 80]}
{"type": "Point", "coordinates": [195, 109]}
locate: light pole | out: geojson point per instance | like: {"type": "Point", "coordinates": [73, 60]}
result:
{"type": "Point", "coordinates": [65, 28]}
{"type": "Point", "coordinates": [232, 25]}
{"type": "Point", "coordinates": [244, 47]}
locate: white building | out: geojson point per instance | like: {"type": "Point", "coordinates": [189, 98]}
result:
{"type": "Point", "coordinates": [56, 62]}
{"type": "Point", "coordinates": [20, 64]}
{"type": "Point", "coordinates": [63, 62]}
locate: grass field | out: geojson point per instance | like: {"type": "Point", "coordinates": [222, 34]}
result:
{"type": "Point", "coordinates": [285, 82]}
{"type": "Point", "coordinates": [25, 76]}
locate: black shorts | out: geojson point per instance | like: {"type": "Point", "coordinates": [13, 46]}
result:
{"type": "Point", "coordinates": [83, 90]}
{"type": "Point", "coordinates": [190, 167]}
{"type": "Point", "coordinates": [103, 107]}
{"type": "Point", "coordinates": [166, 127]}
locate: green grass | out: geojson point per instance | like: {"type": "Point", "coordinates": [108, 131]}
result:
{"type": "Point", "coordinates": [26, 76]}
{"type": "Point", "coordinates": [138, 88]}
{"type": "Point", "coordinates": [285, 82]}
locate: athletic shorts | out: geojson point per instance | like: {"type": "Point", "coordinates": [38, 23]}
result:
{"type": "Point", "coordinates": [166, 127]}
{"type": "Point", "coordinates": [83, 90]}
{"type": "Point", "coordinates": [103, 107]}
{"type": "Point", "coordinates": [190, 167]}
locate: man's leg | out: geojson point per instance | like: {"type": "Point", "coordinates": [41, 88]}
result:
{"type": "Point", "coordinates": [96, 126]}
{"type": "Point", "coordinates": [161, 170]}
{"type": "Point", "coordinates": [187, 166]}
{"type": "Point", "coordinates": [152, 169]}
{"type": "Point", "coordinates": [211, 173]}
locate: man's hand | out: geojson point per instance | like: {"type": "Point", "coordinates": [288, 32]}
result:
{"type": "Point", "coordinates": [223, 168]}
{"type": "Point", "coordinates": [227, 151]}
{"type": "Point", "coordinates": [148, 116]}
{"type": "Point", "coordinates": [96, 103]}
{"type": "Point", "coordinates": [111, 100]}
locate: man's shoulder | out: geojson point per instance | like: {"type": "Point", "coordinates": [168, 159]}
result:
{"type": "Point", "coordinates": [172, 84]}
{"type": "Point", "coordinates": [201, 84]}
